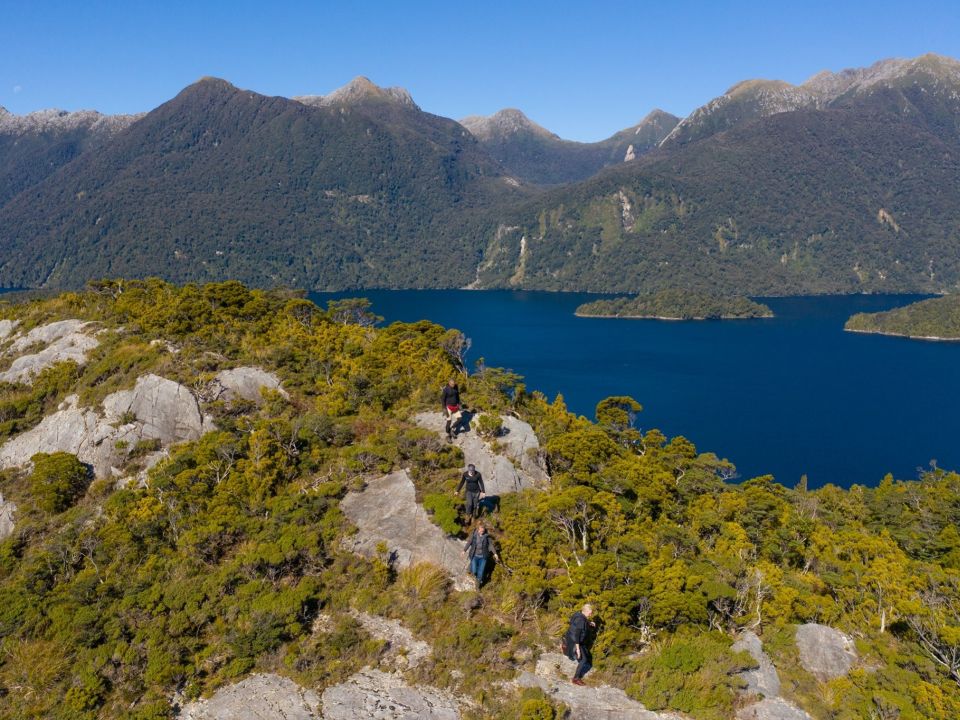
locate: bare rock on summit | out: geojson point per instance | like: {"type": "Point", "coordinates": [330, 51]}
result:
{"type": "Point", "coordinates": [154, 409]}
{"type": "Point", "coordinates": [60, 341]}
{"type": "Point", "coordinates": [775, 708]}
{"type": "Point", "coordinates": [7, 327]}
{"type": "Point", "coordinates": [403, 649]}
{"type": "Point", "coordinates": [258, 697]}
{"type": "Point", "coordinates": [516, 470]}
{"type": "Point", "coordinates": [386, 511]}
{"type": "Point", "coordinates": [376, 695]}
{"type": "Point", "coordinates": [593, 702]}
{"type": "Point", "coordinates": [246, 383]}
{"type": "Point", "coordinates": [825, 653]}
{"type": "Point", "coordinates": [7, 510]}
{"type": "Point", "coordinates": [764, 680]}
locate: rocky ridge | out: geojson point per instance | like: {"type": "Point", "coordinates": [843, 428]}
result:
{"type": "Point", "coordinates": [57, 342]}
{"type": "Point", "coordinates": [357, 90]}
{"type": "Point", "coordinates": [764, 682]}
{"type": "Point", "coordinates": [56, 121]}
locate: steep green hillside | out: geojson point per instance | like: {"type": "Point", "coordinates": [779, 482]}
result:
{"type": "Point", "coordinates": [676, 305]}
{"type": "Point", "coordinates": [222, 183]}
{"type": "Point", "coordinates": [936, 318]}
{"type": "Point", "coordinates": [812, 201]}
{"type": "Point", "coordinates": [536, 155]}
{"type": "Point", "coordinates": [225, 559]}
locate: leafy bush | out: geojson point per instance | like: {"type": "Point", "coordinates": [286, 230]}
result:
{"type": "Point", "coordinates": [443, 510]}
{"type": "Point", "coordinates": [58, 480]}
{"type": "Point", "coordinates": [489, 425]}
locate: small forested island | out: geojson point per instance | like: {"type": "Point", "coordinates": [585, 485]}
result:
{"type": "Point", "coordinates": [224, 502]}
{"type": "Point", "coordinates": [933, 319]}
{"type": "Point", "coordinates": [676, 305]}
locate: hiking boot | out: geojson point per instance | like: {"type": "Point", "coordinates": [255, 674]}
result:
{"type": "Point", "coordinates": [578, 681]}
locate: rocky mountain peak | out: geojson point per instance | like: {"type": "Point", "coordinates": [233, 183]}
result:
{"type": "Point", "coordinates": [360, 89]}
{"type": "Point", "coordinates": [508, 121]}
{"type": "Point", "coordinates": [56, 120]}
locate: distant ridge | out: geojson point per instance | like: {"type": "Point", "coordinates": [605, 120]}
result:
{"type": "Point", "coordinates": [360, 89]}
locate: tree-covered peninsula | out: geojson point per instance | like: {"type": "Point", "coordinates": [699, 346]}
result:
{"type": "Point", "coordinates": [190, 478]}
{"type": "Point", "coordinates": [933, 319]}
{"type": "Point", "coordinates": [677, 305]}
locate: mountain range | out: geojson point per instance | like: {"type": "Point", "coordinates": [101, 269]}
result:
{"type": "Point", "coordinates": [845, 183]}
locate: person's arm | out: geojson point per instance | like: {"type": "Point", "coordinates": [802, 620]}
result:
{"type": "Point", "coordinates": [470, 542]}
{"type": "Point", "coordinates": [578, 632]}
{"type": "Point", "coordinates": [493, 549]}
{"type": "Point", "coordinates": [463, 479]}
{"type": "Point", "coordinates": [480, 483]}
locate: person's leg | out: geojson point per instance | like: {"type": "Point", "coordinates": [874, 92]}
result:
{"type": "Point", "coordinates": [584, 665]}
{"type": "Point", "coordinates": [481, 569]}
{"type": "Point", "coordinates": [472, 500]}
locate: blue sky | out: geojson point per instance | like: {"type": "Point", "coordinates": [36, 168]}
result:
{"type": "Point", "coordinates": [582, 69]}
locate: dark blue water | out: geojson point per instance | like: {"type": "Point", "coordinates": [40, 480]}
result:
{"type": "Point", "coordinates": [788, 396]}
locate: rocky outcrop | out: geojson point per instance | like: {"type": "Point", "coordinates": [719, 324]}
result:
{"type": "Point", "coordinates": [376, 695]}
{"type": "Point", "coordinates": [403, 649]}
{"type": "Point", "coordinates": [360, 89]}
{"type": "Point", "coordinates": [515, 470]}
{"type": "Point", "coordinates": [245, 383]}
{"type": "Point", "coordinates": [825, 653]}
{"type": "Point", "coordinates": [386, 511]}
{"type": "Point", "coordinates": [259, 697]}
{"type": "Point", "coordinates": [7, 510]}
{"type": "Point", "coordinates": [155, 409]}
{"type": "Point", "coordinates": [764, 679]}
{"type": "Point", "coordinates": [7, 327]}
{"type": "Point", "coordinates": [765, 682]}
{"type": "Point", "coordinates": [593, 702]}
{"type": "Point", "coordinates": [63, 340]}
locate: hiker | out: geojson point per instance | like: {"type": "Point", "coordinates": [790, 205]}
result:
{"type": "Point", "coordinates": [450, 399]}
{"type": "Point", "coordinates": [576, 642]}
{"type": "Point", "coordinates": [475, 490]}
{"type": "Point", "coordinates": [479, 547]}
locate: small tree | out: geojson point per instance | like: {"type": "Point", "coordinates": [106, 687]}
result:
{"type": "Point", "coordinates": [58, 480]}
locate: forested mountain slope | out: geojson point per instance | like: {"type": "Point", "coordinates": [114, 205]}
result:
{"type": "Point", "coordinates": [123, 592]}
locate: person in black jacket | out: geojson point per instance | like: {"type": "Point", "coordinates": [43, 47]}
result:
{"type": "Point", "coordinates": [577, 636]}
{"type": "Point", "coordinates": [475, 490]}
{"type": "Point", "coordinates": [479, 547]}
{"type": "Point", "coordinates": [450, 400]}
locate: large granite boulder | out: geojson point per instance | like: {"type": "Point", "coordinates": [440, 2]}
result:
{"type": "Point", "coordinates": [376, 695]}
{"type": "Point", "coordinates": [7, 511]}
{"type": "Point", "coordinates": [6, 328]}
{"type": "Point", "coordinates": [155, 409]}
{"type": "Point", "coordinates": [245, 383]}
{"type": "Point", "coordinates": [591, 702]}
{"type": "Point", "coordinates": [259, 697]}
{"type": "Point", "coordinates": [825, 653]}
{"type": "Point", "coordinates": [386, 511]}
{"type": "Point", "coordinates": [58, 341]}
{"type": "Point", "coordinates": [764, 679]}
{"type": "Point", "coordinates": [512, 471]}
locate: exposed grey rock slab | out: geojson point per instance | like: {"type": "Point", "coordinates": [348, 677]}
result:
{"type": "Point", "coordinates": [7, 327]}
{"type": "Point", "coordinates": [764, 680]}
{"type": "Point", "coordinates": [376, 695]}
{"type": "Point", "coordinates": [593, 702]}
{"type": "Point", "coordinates": [167, 410]}
{"type": "Point", "coordinates": [61, 341]}
{"type": "Point", "coordinates": [246, 383]}
{"type": "Point", "coordinates": [7, 511]}
{"type": "Point", "coordinates": [258, 697]}
{"type": "Point", "coordinates": [772, 709]}
{"type": "Point", "coordinates": [500, 474]}
{"type": "Point", "coordinates": [404, 650]}
{"type": "Point", "coordinates": [158, 409]}
{"type": "Point", "coordinates": [386, 511]}
{"type": "Point", "coordinates": [825, 653]}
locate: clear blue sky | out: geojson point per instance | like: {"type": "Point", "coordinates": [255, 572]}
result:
{"type": "Point", "coordinates": [581, 69]}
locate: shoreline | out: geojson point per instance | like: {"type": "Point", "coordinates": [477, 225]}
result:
{"type": "Point", "coordinates": [927, 338]}
{"type": "Point", "coordinates": [673, 319]}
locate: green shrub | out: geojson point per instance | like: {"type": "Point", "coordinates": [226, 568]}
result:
{"type": "Point", "coordinates": [443, 509]}
{"type": "Point", "coordinates": [489, 425]}
{"type": "Point", "coordinates": [57, 480]}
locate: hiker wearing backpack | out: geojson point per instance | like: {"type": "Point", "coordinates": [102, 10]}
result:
{"type": "Point", "coordinates": [475, 490]}
{"type": "Point", "coordinates": [575, 642]}
{"type": "Point", "coordinates": [450, 400]}
{"type": "Point", "coordinates": [479, 547]}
